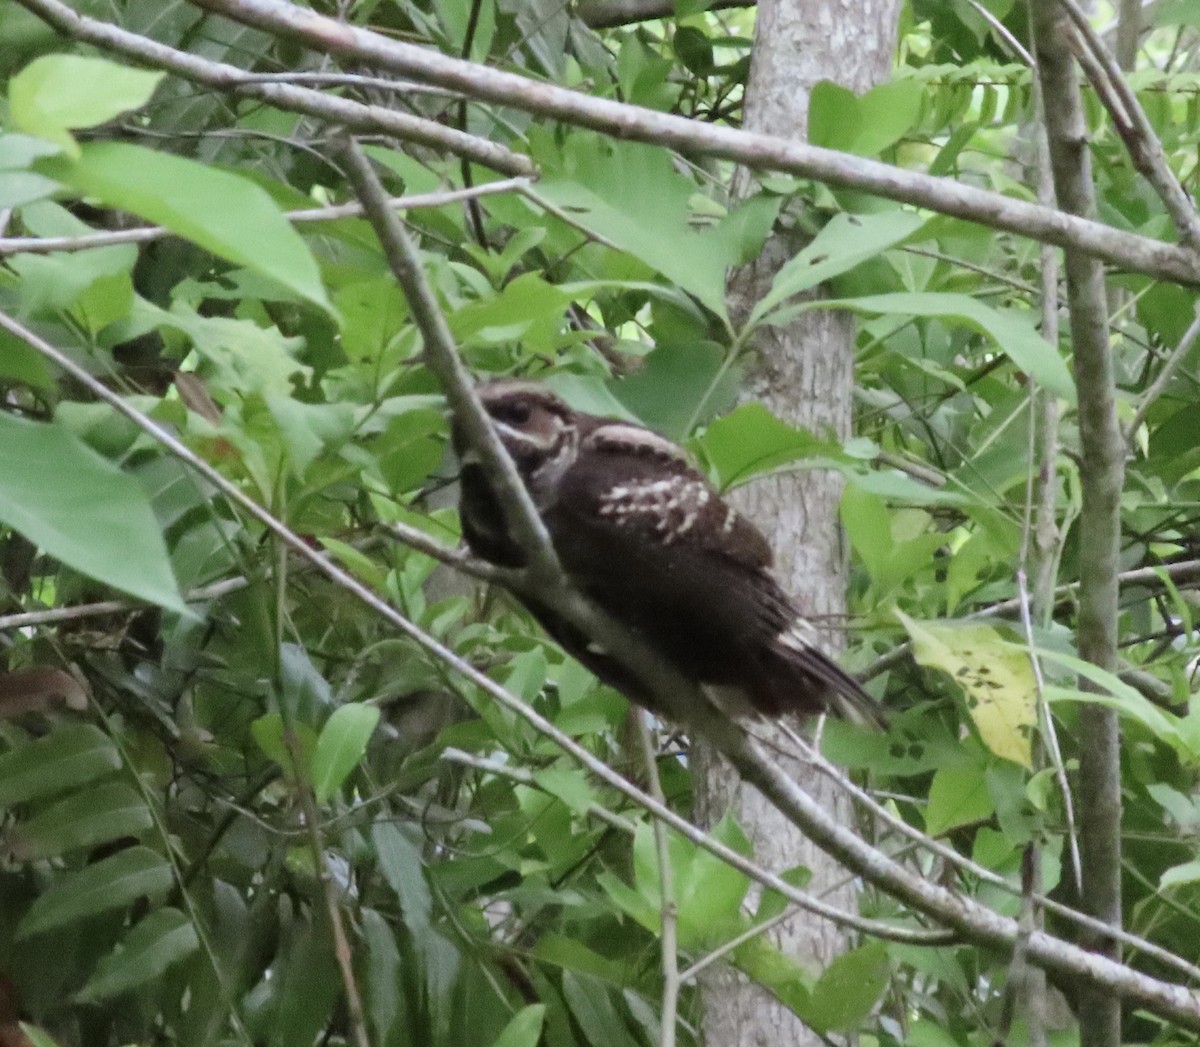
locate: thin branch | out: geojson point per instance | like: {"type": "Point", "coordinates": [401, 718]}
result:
{"type": "Point", "coordinates": [441, 356]}
{"type": "Point", "coordinates": [886, 816]}
{"type": "Point", "coordinates": [1050, 733]}
{"type": "Point", "coordinates": [973, 921]}
{"type": "Point", "coordinates": [460, 560]}
{"type": "Point", "coordinates": [342, 951]}
{"type": "Point", "coordinates": [1164, 376]}
{"type": "Point", "coordinates": [799, 898]}
{"type": "Point", "coordinates": [668, 943]}
{"type": "Point", "coordinates": [1102, 474]}
{"type": "Point", "coordinates": [754, 150]}
{"type": "Point", "coordinates": [608, 14]}
{"type": "Point", "coordinates": [150, 233]}
{"type": "Point", "coordinates": [330, 108]}
{"type": "Point", "coordinates": [381, 83]}
{"type": "Point", "coordinates": [29, 619]}
{"type": "Point", "coordinates": [1004, 33]}
{"type": "Point", "coordinates": [750, 933]}
{"type": "Point", "coordinates": [1145, 149]}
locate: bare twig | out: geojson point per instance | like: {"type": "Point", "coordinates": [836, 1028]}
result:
{"type": "Point", "coordinates": [799, 898]}
{"type": "Point", "coordinates": [887, 817]}
{"type": "Point", "coordinates": [974, 922]}
{"type": "Point", "coordinates": [148, 234]}
{"type": "Point", "coordinates": [417, 539]}
{"type": "Point", "coordinates": [442, 359]}
{"type": "Point", "coordinates": [607, 14]}
{"type": "Point", "coordinates": [758, 151]}
{"type": "Point", "coordinates": [1165, 373]}
{"type": "Point", "coordinates": [1102, 472]}
{"type": "Point", "coordinates": [342, 951]}
{"type": "Point", "coordinates": [380, 83]}
{"type": "Point", "coordinates": [1145, 150]}
{"type": "Point", "coordinates": [371, 119]}
{"type": "Point", "coordinates": [1014, 45]}
{"type": "Point", "coordinates": [1050, 732]}
{"type": "Point", "coordinates": [669, 915]}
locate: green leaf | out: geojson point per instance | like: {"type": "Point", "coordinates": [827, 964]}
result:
{"type": "Point", "coordinates": [63, 759]}
{"type": "Point", "coordinates": [340, 747]}
{"type": "Point", "coordinates": [402, 868]}
{"type": "Point", "coordinates": [1012, 332]}
{"type": "Point", "coordinates": [694, 49]}
{"type": "Point", "coordinates": [593, 1009]}
{"type": "Point", "coordinates": [1188, 872]}
{"type": "Point", "coordinates": [37, 1037]}
{"type": "Point", "coordinates": [751, 440]}
{"type": "Point", "coordinates": [382, 985]}
{"type": "Point", "coordinates": [631, 195]}
{"type": "Point", "coordinates": [850, 987]}
{"type": "Point", "coordinates": [112, 883]}
{"type": "Point", "coordinates": [700, 381]}
{"type": "Point", "coordinates": [162, 939]}
{"type": "Point", "coordinates": [957, 796]}
{"type": "Point", "coordinates": [18, 188]}
{"type": "Point", "coordinates": [268, 730]}
{"type": "Point", "coordinates": [55, 94]}
{"type": "Point", "coordinates": [525, 1029]}
{"type": "Point", "coordinates": [996, 676]}
{"type": "Point", "coordinates": [846, 240]}
{"type": "Point", "coordinates": [865, 125]}
{"type": "Point", "coordinates": [834, 121]}
{"type": "Point", "coordinates": [83, 819]}
{"type": "Point", "coordinates": [224, 213]}
{"type": "Point", "coordinates": [91, 516]}
{"type": "Point", "coordinates": [569, 784]}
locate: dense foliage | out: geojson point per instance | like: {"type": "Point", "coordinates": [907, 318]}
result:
{"type": "Point", "coordinates": [163, 876]}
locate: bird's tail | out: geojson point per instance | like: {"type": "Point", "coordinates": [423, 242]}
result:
{"type": "Point", "coordinates": [815, 675]}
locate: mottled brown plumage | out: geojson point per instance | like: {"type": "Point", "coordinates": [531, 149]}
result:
{"type": "Point", "coordinates": [642, 533]}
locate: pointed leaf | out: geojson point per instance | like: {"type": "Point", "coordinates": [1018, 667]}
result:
{"type": "Point", "coordinates": [1013, 332]}
{"type": "Point", "coordinates": [400, 863]}
{"type": "Point", "coordinates": [84, 819]}
{"type": "Point", "coordinates": [525, 1030]}
{"type": "Point", "coordinates": [55, 94]}
{"type": "Point", "coordinates": [92, 516]}
{"type": "Point", "coordinates": [846, 241]}
{"type": "Point", "coordinates": [340, 747]}
{"type": "Point", "coordinates": [163, 938]}
{"type": "Point", "coordinates": [957, 796]}
{"type": "Point", "coordinates": [113, 883]}
{"type": "Point", "coordinates": [224, 213]}
{"type": "Point", "coordinates": [845, 994]}
{"type": "Point", "coordinates": [64, 758]}
{"type": "Point", "coordinates": [630, 194]}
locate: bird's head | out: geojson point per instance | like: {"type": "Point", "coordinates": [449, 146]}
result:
{"type": "Point", "coordinates": [537, 428]}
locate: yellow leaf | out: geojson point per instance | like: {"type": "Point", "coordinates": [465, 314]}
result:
{"type": "Point", "coordinates": [995, 675]}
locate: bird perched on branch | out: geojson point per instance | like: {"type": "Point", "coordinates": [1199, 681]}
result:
{"type": "Point", "coordinates": [640, 532]}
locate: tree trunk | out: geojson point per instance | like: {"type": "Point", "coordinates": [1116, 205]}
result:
{"type": "Point", "coordinates": [804, 374]}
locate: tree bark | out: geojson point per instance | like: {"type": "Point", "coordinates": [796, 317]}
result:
{"type": "Point", "coordinates": [1102, 471]}
{"type": "Point", "coordinates": [804, 374]}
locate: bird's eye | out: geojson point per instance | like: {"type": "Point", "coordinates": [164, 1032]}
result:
{"type": "Point", "coordinates": [516, 413]}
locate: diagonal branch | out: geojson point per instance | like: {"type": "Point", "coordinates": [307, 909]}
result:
{"type": "Point", "coordinates": [973, 921]}
{"type": "Point", "coordinates": [441, 356]}
{"type": "Point", "coordinates": [759, 151]}
{"type": "Point", "coordinates": [219, 76]}
{"type": "Point", "coordinates": [1145, 149]}
{"type": "Point", "coordinates": [150, 233]}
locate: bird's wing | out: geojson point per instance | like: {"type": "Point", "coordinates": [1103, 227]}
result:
{"type": "Point", "coordinates": [644, 534]}
{"type": "Point", "coordinates": [644, 487]}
